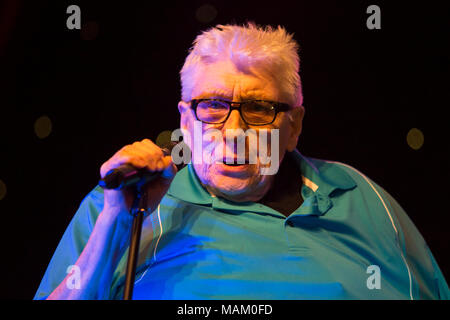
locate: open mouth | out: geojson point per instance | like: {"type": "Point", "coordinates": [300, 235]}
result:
{"type": "Point", "coordinates": [234, 162]}
{"type": "Point", "coordinates": [232, 168]}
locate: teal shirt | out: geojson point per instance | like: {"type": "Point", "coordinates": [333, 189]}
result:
{"type": "Point", "coordinates": [348, 240]}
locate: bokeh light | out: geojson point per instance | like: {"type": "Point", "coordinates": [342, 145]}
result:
{"type": "Point", "coordinates": [43, 127]}
{"type": "Point", "coordinates": [206, 13]}
{"type": "Point", "coordinates": [415, 138]}
{"type": "Point", "coordinates": [164, 138]}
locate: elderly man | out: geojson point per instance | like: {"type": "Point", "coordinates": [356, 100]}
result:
{"type": "Point", "coordinates": [224, 230]}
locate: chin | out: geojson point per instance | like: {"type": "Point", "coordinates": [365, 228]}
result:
{"type": "Point", "coordinates": [236, 188]}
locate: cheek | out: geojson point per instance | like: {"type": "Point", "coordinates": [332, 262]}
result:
{"type": "Point", "coordinates": [284, 139]}
{"type": "Point", "coordinates": [276, 143]}
{"type": "Point", "coordinates": [284, 135]}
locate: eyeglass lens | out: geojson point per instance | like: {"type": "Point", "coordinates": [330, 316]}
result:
{"type": "Point", "coordinates": [253, 112]}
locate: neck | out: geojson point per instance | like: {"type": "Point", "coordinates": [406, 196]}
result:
{"type": "Point", "coordinates": [285, 192]}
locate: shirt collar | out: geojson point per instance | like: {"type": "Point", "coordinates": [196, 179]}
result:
{"type": "Point", "coordinates": [320, 180]}
{"type": "Point", "coordinates": [187, 187]}
{"type": "Point", "coordinates": [322, 176]}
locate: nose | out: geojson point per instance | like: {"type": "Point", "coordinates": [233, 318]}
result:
{"type": "Point", "coordinates": [235, 121]}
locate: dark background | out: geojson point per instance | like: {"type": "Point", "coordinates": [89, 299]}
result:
{"type": "Point", "coordinates": [117, 81]}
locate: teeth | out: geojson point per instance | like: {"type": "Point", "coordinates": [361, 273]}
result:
{"type": "Point", "coordinates": [232, 163]}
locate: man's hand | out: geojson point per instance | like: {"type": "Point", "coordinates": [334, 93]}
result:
{"type": "Point", "coordinates": [143, 154]}
{"type": "Point", "coordinates": [110, 236]}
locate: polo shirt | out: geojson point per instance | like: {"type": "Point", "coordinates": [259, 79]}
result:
{"type": "Point", "coordinates": [349, 239]}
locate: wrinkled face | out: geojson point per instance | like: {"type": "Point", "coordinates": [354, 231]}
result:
{"type": "Point", "coordinates": [243, 182]}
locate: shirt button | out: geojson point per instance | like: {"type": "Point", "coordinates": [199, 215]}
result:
{"type": "Point", "coordinates": [290, 223]}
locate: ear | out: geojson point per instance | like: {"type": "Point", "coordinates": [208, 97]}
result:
{"type": "Point", "coordinates": [296, 124]}
{"type": "Point", "coordinates": [183, 106]}
{"type": "Point", "coordinates": [185, 114]}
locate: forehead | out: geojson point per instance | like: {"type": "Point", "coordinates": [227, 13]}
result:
{"type": "Point", "coordinates": [222, 79]}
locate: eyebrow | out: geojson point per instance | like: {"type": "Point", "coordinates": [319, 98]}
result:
{"type": "Point", "coordinates": [219, 94]}
{"type": "Point", "coordinates": [215, 94]}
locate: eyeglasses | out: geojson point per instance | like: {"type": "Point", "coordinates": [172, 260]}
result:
{"type": "Point", "coordinates": [253, 112]}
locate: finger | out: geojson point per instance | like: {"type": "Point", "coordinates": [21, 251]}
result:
{"type": "Point", "coordinates": [139, 155]}
{"type": "Point", "coordinates": [127, 156]}
{"type": "Point", "coordinates": [167, 161]}
{"type": "Point", "coordinates": [130, 159]}
{"type": "Point", "coordinates": [153, 153]}
{"type": "Point", "coordinates": [149, 143]}
{"type": "Point", "coordinates": [113, 163]}
{"type": "Point", "coordinates": [149, 147]}
{"type": "Point", "coordinates": [152, 156]}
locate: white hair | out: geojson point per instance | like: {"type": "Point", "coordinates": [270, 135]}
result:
{"type": "Point", "coordinates": [252, 49]}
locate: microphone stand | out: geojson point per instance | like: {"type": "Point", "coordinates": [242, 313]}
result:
{"type": "Point", "coordinates": [137, 211]}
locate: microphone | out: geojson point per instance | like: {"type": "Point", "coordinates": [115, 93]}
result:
{"type": "Point", "coordinates": [126, 175]}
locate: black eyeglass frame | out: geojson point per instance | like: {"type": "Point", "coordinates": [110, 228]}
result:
{"type": "Point", "coordinates": [278, 106]}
